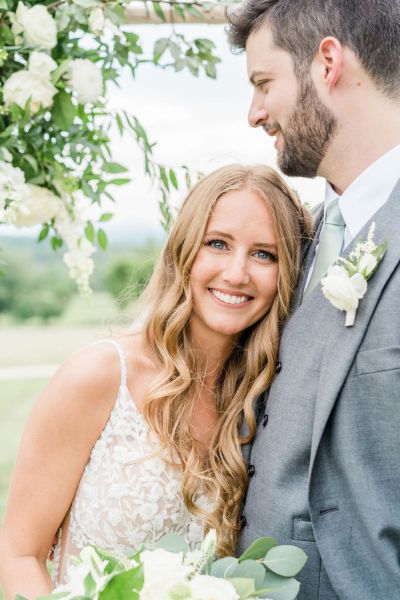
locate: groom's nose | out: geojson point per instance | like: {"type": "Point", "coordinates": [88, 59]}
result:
{"type": "Point", "coordinates": [258, 114]}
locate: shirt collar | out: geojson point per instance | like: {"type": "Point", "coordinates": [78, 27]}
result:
{"type": "Point", "coordinates": [367, 193]}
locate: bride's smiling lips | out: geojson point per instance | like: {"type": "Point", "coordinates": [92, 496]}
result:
{"type": "Point", "coordinates": [229, 298]}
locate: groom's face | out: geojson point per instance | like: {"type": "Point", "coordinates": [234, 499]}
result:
{"type": "Point", "coordinates": [287, 108]}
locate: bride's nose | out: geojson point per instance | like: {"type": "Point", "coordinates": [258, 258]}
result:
{"type": "Point", "coordinates": [236, 271]}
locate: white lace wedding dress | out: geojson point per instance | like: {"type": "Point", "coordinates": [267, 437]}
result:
{"type": "Point", "coordinates": [128, 495]}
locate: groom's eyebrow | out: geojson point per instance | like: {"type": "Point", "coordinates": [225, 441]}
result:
{"type": "Point", "coordinates": [256, 74]}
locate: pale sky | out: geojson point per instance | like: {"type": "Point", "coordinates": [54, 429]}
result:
{"type": "Point", "coordinates": [199, 122]}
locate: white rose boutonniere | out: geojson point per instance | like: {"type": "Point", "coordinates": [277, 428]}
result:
{"type": "Point", "coordinates": [345, 284]}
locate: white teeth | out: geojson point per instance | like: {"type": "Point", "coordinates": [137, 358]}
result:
{"type": "Point", "coordinates": [229, 299]}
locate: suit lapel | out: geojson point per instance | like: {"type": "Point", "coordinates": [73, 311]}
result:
{"type": "Point", "coordinates": [343, 342]}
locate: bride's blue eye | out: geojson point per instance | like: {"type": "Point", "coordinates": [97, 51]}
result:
{"type": "Point", "coordinates": [217, 244]}
{"type": "Point", "coordinates": [265, 255]}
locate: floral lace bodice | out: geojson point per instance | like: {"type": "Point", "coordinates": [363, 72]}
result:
{"type": "Point", "coordinates": [128, 494]}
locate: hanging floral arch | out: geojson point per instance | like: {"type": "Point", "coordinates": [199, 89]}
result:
{"type": "Point", "coordinates": [55, 156]}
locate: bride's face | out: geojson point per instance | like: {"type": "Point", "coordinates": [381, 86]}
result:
{"type": "Point", "coordinates": [234, 276]}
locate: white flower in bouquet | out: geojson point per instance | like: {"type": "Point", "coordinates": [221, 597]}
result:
{"type": "Point", "coordinates": [205, 587]}
{"type": "Point", "coordinates": [90, 564]}
{"type": "Point", "coordinates": [86, 80]}
{"type": "Point", "coordinates": [41, 64]}
{"type": "Point", "coordinates": [13, 189]}
{"type": "Point", "coordinates": [37, 25]}
{"type": "Point", "coordinates": [164, 575]}
{"type": "Point", "coordinates": [24, 86]}
{"type": "Point", "coordinates": [40, 206]}
{"type": "Point", "coordinates": [96, 20]}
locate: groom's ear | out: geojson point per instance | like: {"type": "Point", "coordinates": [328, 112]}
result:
{"type": "Point", "coordinates": [329, 62]}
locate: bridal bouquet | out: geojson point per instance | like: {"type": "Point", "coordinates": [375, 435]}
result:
{"type": "Point", "coordinates": [169, 571]}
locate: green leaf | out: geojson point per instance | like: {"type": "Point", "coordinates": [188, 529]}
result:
{"type": "Point", "coordinates": [60, 71]}
{"type": "Point", "coordinates": [124, 585]}
{"type": "Point", "coordinates": [63, 111]}
{"type": "Point", "coordinates": [173, 178]}
{"type": "Point", "coordinates": [244, 587]}
{"type": "Point", "coordinates": [160, 47]}
{"type": "Point", "coordinates": [106, 217]}
{"type": "Point", "coordinates": [164, 177]}
{"type": "Point", "coordinates": [102, 239]}
{"type": "Point", "coordinates": [113, 167]}
{"type": "Point", "coordinates": [172, 542]}
{"type": "Point", "coordinates": [258, 549]}
{"type": "Point", "coordinates": [44, 232]}
{"type": "Point", "coordinates": [249, 569]}
{"type": "Point", "coordinates": [159, 11]}
{"type": "Point", "coordinates": [223, 566]}
{"type": "Point", "coordinates": [276, 587]}
{"type": "Point", "coordinates": [3, 6]}
{"type": "Point", "coordinates": [119, 181]}
{"type": "Point", "coordinates": [285, 560]}
{"type": "Point", "coordinates": [89, 231]}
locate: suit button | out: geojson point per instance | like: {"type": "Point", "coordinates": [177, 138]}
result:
{"type": "Point", "coordinates": [278, 367]}
{"type": "Point", "coordinates": [265, 420]}
{"type": "Point", "coordinates": [251, 470]}
{"type": "Point", "coordinates": [243, 521]}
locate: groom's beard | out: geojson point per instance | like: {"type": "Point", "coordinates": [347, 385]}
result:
{"type": "Point", "coordinates": [308, 133]}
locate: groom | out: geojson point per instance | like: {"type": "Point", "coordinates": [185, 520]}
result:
{"type": "Point", "coordinates": [324, 469]}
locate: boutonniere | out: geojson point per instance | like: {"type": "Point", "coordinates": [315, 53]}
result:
{"type": "Point", "coordinates": [346, 281]}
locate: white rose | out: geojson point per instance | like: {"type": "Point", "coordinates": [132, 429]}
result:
{"type": "Point", "coordinates": [86, 80]}
{"type": "Point", "coordinates": [206, 587]}
{"type": "Point", "coordinates": [24, 85]}
{"type": "Point", "coordinates": [342, 291]}
{"type": "Point", "coordinates": [164, 575]}
{"type": "Point", "coordinates": [367, 265]}
{"type": "Point", "coordinates": [37, 24]}
{"type": "Point", "coordinates": [96, 20]}
{"type": "Point", "coordinates": [40, 206]}
{"type": "Point", "coordinates": [41, 64]}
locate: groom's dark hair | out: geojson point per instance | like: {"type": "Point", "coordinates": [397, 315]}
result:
{"type": "Point", "coordinates": [371, 28]}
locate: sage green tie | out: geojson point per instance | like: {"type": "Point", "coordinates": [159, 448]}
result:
{"type": "Point", "coordinates": [330, 244]}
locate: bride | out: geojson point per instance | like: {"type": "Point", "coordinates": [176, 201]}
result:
{"type": "Point", "coordinates": [138, 436]}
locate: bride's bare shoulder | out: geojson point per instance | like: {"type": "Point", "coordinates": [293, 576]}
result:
{"type": "Point", "coordinates": [94, 372]}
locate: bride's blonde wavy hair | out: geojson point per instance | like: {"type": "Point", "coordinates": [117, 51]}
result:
{"type": "Point", "coordinates": [220, 470]}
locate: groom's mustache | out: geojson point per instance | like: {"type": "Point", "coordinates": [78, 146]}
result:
{"type": "Point", "coordinates": [271, 128]}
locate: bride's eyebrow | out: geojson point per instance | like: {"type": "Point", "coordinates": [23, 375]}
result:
{"type": "Point", "coordinates": [220, 233]}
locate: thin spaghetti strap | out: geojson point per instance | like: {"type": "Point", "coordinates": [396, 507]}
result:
{"type": "Point", "coordinates": [122, 357]}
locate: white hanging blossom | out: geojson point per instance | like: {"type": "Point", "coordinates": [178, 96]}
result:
{"type": "Point", "coordinates": [86, 80]}
{"type": "Point", "coordinates": [32, 85]}
{"type": "Point", "coordinates": [13, 190]}
{"type": "Point", "coordinates": [96, 20]}
{"type": "Point", "coordinates": [36, 25]}
{"type": "Point", "coordinates": [39, 206]}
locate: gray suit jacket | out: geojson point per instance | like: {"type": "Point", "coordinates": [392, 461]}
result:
{"type": "Point", "coordinates": [327, 452]}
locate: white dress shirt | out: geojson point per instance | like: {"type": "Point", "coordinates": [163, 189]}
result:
{"type": "Point", "coordinates": [365, 195]}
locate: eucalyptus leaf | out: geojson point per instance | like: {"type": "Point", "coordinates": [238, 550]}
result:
{"type": "Point", "coordinates": [276, 587]}
{"type": "Point", "coordinates": [258, 549]}
{"type": "Point", "coordinates": [172, 542]}
{"type": "Point", "coordinates": [285, 560]}
{"type": "Point", "coordinates": [249, 569]}
{"type": "Point", "coordinates": [244, 587]}
{"type": "Point", "coordinates": [222, 566]}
